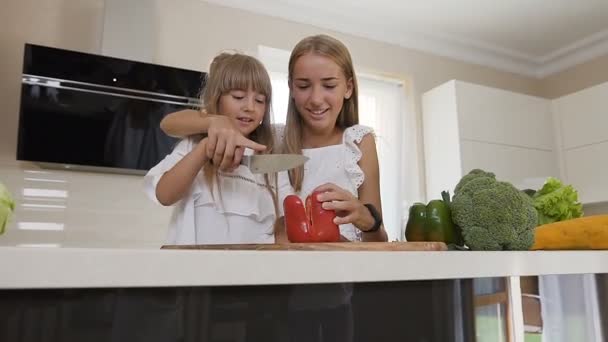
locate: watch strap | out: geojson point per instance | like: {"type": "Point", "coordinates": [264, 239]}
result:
{"type": "Point", "coordinates": [376, 216]}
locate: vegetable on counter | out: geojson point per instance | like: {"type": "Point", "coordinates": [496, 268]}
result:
{"type": "Point", "coordinates": [589, 232]}
{"type": "Point", "coordinates": [310, 223]}
{"type": "Point", "coordinates": [493, 215]}
{"type": "Point", "coordinates": [432, 222]}
{"type": "Point", "coordinates": [556, 202]}
{"type": "Point", "coordinates": [7, 206]}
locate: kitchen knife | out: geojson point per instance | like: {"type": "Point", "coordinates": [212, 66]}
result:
{"type": "Point", "coordinates": [269, 163]}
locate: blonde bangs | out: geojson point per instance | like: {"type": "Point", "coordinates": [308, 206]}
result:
{"type": "Point", "coordinates": [247, 73]}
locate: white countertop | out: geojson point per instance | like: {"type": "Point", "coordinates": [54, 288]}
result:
{"type": "Point", "coordinates": [90, 267]}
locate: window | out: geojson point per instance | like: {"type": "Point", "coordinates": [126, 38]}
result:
{"type": "Point", "coordinates": [492, 310]}
{"type": "Point", "coordinates": [382, 107]}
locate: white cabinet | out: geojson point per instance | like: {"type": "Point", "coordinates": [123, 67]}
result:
{"type": "Point", "coordinates": [582, 131]}
{"type": "Point", "coordinates": [468, 126]}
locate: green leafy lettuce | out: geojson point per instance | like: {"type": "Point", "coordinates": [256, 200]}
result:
{"type": "Point", "coordinates": [7, 205]}
{"type": "Point", "coordinates": [556, 202]}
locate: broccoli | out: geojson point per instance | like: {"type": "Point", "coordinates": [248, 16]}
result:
{"type": "Point", "coordinates": [470, 176]}
{"type": "Point", "coordinates": [493, 215]}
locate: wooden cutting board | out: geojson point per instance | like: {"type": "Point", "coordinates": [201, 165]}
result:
{"type": "Point", "coordinates": [326, 246]}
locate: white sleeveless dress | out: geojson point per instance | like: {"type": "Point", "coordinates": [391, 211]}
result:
{"type": "Point", "coordinates": [336, 164]}
{"type": "Point", "coordinates": [239, 210]}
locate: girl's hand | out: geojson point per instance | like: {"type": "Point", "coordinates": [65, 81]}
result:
{"type": "Point", "coordinates": [226, 144]}
{"type": "Point", "coordinates": [348, 207]}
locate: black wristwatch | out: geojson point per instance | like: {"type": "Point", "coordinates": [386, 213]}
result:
{"type": "Point", "coordinates": [377, 218]}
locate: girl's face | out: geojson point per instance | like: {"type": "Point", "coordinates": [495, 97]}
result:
{"type": "Point", "coordinates": [319, 88]}
{"type": "Point", "coordinates": [245, 107]}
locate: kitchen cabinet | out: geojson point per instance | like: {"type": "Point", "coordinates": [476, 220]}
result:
{"type": "Point", "coordinates": [468, 126]}
{"type": "Point", "coordinates": [522, 139]}
{"type": "Point", "coordinates": [582, 132]}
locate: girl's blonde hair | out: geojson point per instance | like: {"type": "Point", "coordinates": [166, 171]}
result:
{"type": "Point", "coordinates": [237, 71]}
{"type": "Point", "coordinates": [333, 49]}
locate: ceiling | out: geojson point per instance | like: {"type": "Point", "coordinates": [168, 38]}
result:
{"type": "Point", "coordinates": [531, 37]}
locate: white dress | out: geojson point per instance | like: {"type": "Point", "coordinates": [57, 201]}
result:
{"type": "Point", "coordinates": [240, 209]}
{"type": "Point", "coordinates": [336, 164]}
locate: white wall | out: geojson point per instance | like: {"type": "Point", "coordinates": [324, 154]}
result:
{"type": "Point", "coordinates": [99, 210]}
{"type": "Point", "coordinates": [130, 30]}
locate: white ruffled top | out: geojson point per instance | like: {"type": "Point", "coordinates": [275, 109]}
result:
{"type": "Point", "coordinates": [338, 164]}
{"type": "Point", "coordinates": [240, 209]}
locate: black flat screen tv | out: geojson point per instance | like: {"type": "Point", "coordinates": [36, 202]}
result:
{"type": "Point", "coordinates": [92, 112]}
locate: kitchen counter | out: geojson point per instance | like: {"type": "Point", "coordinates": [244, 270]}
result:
{"type": "Point", "coordinates": [101, 268]}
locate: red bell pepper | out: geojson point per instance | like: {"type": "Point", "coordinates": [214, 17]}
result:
{"type": "Point", "coordinates": [311, 223]}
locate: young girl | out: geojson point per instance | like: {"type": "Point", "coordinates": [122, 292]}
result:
{"type": "Point", "coordinates": [222, 206]}
{"type": "Point", "coordinates": [322, 123]}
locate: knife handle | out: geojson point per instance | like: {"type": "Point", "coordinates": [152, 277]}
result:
{"type": "Point", "coordinates": [246, 160]}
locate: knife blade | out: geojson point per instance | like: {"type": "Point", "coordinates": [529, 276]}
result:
{"type": "Point", "coordinates": [269, 163]}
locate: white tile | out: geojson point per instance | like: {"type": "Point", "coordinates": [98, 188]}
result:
{"type": "Point", "coordinates": [95, 209]}
{"type": "Point", "coordinates": [108, 225]}
{"type": "Point", "coordinates": [13, 236]}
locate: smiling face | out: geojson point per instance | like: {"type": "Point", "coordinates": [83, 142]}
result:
{"type": "Point", "coordinates": [245, 107]}
{"type": "Point", "coordinates": [319, 88]}
{"type": "Point", "coordinates": [239, 87]}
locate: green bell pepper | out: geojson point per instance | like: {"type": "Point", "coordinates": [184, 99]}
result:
{"type": "Point", "coordinates": [433, 222]}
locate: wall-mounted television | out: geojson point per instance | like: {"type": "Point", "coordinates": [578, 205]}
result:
{"type": "Point", "coordinates": [92, 112]}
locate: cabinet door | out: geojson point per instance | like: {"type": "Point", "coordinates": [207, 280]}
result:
{"type": "Point", "coordinates": [587, 170]}
{"type": "Point", "coordinates": [582, 120]}
{"type": "Point", "coordinates": [583, 117]}
{"type": "Point", "coordinates": [469, 126]}
{"type": "Point", "coordinates": [523, 167]}
{"type": "Point", "coordinates": [498, 116]}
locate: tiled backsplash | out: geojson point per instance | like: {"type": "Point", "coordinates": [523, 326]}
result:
{"type": "Point", "coordinates": [80, 209]}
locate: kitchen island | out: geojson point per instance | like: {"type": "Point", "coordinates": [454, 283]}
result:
{"type": "Point", "coordinates": [97, 268]}
{"type": "Point", "coordinates": [75, 294]}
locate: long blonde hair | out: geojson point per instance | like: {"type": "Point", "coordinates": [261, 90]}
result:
{"type": "Point", "coordinates": [333, 49]}
{"type": "Point", "coordinates": [237, 71]}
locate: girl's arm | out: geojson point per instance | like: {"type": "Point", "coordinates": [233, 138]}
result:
{"type": "Point", "coordinates": [225, 142]}
{"type": "Point", "coordinates": [185, 122]}
{"type": "Point", "coordinates": [369, 191]}
{"type": "Point", "coordinates": [175, 183]}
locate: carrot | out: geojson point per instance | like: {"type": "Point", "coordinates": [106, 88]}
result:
{"type": "Point", "coordinates": [590, 232]}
